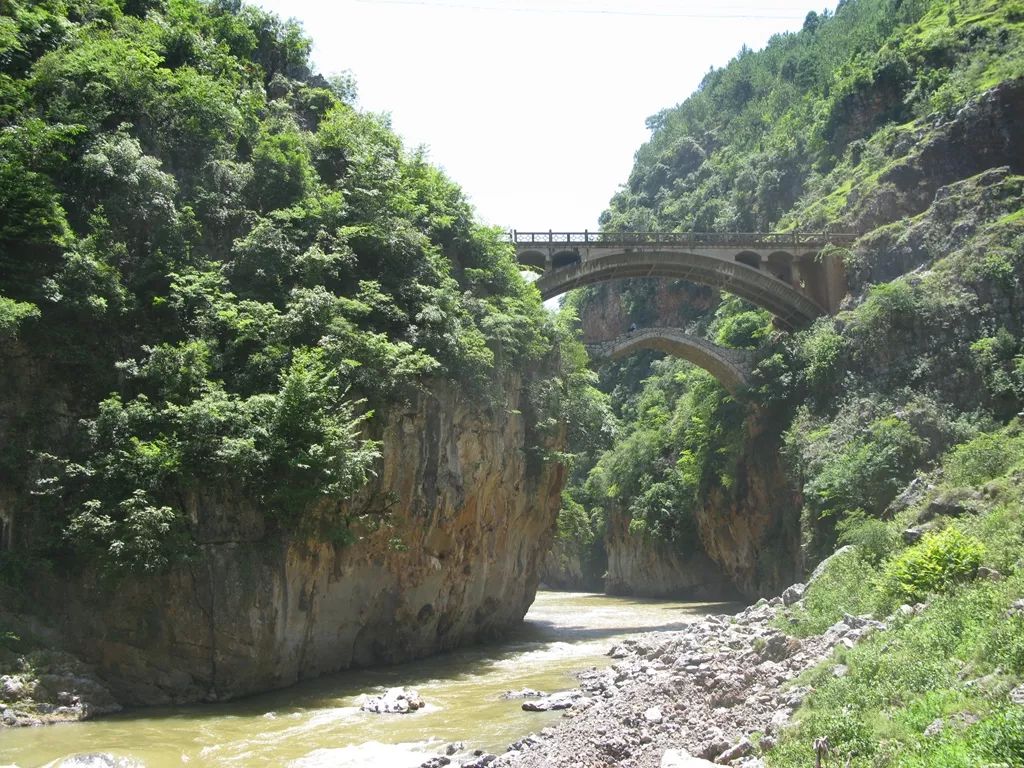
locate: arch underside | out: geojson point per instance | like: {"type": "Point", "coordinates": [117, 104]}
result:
{"type": "Point", "coordinates": [790, 307]}
{"type": "Point", "coordinates": [729, 366]}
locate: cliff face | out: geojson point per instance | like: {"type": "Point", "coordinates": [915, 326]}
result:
{"type": "Point", "coordinates": [672, 303]}
{"type": "Point", "coordinates": [753, 529]}
{"type": "Point", "coordinates": [472, 520]}
{"type": "Point", "coordinates": [639, 565]}
{"type": "Point", "coordinates": [748, 537]}
{"type": "Point", "coordinates": [562, 568]}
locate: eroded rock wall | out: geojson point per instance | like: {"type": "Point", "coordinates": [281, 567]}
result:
{"type": "Point", "coordinates": [563, 568]}
{"type": "Point", "coordinates": [749, 540]}
{"type": "Point", "coordinates": [641, 566]}
{"type": "Point", "coordinates": [668, 303]}
{"type": "Point", "coordinates": [472, 520]}
{"type": "Point", "coordinates": [752, 530]}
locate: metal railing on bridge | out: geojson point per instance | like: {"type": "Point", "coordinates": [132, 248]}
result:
{"type": "Point", "coordinates": [683, 239]}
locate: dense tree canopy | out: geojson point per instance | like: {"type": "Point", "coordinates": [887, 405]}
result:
{"type": "Point", "coordinates": [230, 262]}
{"type": "Point", "coordinates": [822, 129]}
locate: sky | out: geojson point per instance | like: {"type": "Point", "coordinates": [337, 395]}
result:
{"type": "Point", "coordinates": [534, 107]}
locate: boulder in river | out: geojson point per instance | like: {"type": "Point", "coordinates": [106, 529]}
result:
{"type": "Point", "coordinates": [525, 693]}
{"type": "Point", "coordinates": [394, 701]}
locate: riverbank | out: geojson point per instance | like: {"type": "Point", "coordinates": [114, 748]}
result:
{"type": "Point", "coordinates": [719, 689]}
{"type": "Point", "coordinates": [319, 723]}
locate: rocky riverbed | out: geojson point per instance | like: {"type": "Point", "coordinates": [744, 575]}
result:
{"type": "Point", "coordinates": [714, 693]}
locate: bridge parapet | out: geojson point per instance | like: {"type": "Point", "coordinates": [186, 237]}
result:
{"type": "Point", "coordinates": [750, 240]}
{"type": "Point", "coordinates": [732, 367]}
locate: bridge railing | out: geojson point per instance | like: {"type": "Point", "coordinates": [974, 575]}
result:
{"type": "Point", "coordinates": [682, 239]}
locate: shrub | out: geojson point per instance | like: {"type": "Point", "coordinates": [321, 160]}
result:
{"type": "Point", "coordinates": [846, 586]}
{"type": "Point", "coordinates": [1001, 737]}
{"type": "Point", "coordinates": [937, 562]}
{"type": "Point", "coordinates": [874, 539]}
{"type": "Point", "coordinates": [13, 314]}
{"type": "Point", "coordinates": [868, 470]}
{"type": "Point", "coordinates": [986, 457]}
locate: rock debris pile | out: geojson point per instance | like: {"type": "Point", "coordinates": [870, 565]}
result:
{"type": "Point", "coordinates": [687, 698]}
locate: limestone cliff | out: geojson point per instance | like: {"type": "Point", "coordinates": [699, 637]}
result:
{"type": "Point", "coordinates": [641, 566]}
{"type": "Point", "coordinates": [562, 568]}
{"type": "Point", "coordinates": [752, 529]}
{"type": "Point", "coordinates": [748, 537]}
{"type": "Point", "coordinates": [646, 302]}
{"type": "Point", "coordinates": [472, 519]}
{"type": "Point", "coordinates": [748, 533]}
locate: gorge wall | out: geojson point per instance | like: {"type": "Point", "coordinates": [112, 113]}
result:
{"type": "Point", "coordinates": [472, 517]}
{"type": "Point", "coordinates": [752, 530]}
{"type": "Point", "coordinates": [747, 534]}
{"type": "Point", "coordinates": [641, 566]}
{"type": "Point", "coordinates": [748, 537]}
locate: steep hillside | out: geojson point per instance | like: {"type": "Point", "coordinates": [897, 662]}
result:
{"type": "Point", "coordinates": [892, 421]}
{"type": "Point", "coordinates": [891, 119]}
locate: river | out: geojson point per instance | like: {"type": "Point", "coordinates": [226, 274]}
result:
{"type": "Point", "coordinates": [319, 723]}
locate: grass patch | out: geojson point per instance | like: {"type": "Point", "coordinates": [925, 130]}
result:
{"type": "Point", "coordinates": [956, 661]}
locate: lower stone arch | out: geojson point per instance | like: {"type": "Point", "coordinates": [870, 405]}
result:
{"type": "Point", "coordinates": [730, 366]}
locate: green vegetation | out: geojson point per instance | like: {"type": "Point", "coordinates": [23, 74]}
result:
{"type": "Point", "coordinates": [828, 128]}
{"type": "Point", "coordinates": [660, 438]}
{"type": "Point", "coordinates": [787, 135]}
{"type": "Point", "coordinates": [841, 125]}
{"type": "Point", "coordinates": [954, 659]}
{"type": "Point", "coordinates": [228, 267]}
{"type": "Point", "coordinates": [897, 416]}
{"type": "Point", "coordinates": [680, 436]}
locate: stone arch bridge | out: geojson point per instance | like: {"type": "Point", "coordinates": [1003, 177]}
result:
{"type": "Point", "coordinates": [791, 274]}
{"type": "Point", "coordinates": [731, 367]}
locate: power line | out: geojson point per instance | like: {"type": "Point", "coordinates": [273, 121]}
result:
{"type": "Point", "coordinates": [782, 16]}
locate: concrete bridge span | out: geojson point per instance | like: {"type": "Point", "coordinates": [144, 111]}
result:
{"type": "Point", "coordinates": [731, 367]}
{"type": "Point", "coordinates": [785, 273]}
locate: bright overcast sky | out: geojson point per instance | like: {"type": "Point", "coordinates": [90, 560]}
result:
{"type": "Point", "coordinates": [535, 107]}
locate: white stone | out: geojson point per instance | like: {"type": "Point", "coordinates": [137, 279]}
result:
{"type": "Point", "coordinates": [793, 594]}
{"type": "Point", "coordinates": [653, 715]}
{"type": "Point", "coordinates": [680, 758]}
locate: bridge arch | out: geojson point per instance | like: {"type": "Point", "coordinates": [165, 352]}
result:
{"type": "Point", "coordinates": [730, 366]}
{"type": "Point", "coordinates": [783, 272]}
{"type": "Point", "coordinates": [532, 259]}
{"type": "Point", "coordinates": [749, 258]}
{"type": "Point", "coordinates": [562, 259]}
{"type": "Point", "coordinates": [789, 305]}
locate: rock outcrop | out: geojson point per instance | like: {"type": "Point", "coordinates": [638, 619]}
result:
{"type": "Point", "coordinates": [562, 568]}
{"type": "Point", "coordinates": [752, 529]}
{"type": "Point", "coordinates": [748, 537]}
{"type": "Point", "coordinates": [471, 516]}
{"type": "Point", "coordinates": [638, 565]}
{"type": "Point", "coordinates": [666, 303]}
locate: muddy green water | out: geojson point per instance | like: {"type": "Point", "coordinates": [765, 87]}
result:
{"type": "Point", "coordinates": [319, 723]}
